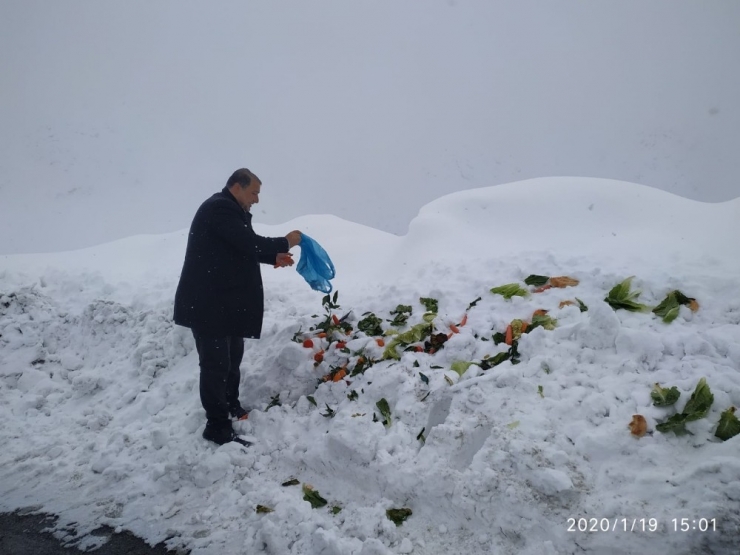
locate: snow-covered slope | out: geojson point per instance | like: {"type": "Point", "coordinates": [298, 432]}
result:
{"type": "Point", "coordinates": [102, 422]}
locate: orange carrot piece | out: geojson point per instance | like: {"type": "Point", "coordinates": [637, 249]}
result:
{"type": "Point", "coordinates": [509, 338]}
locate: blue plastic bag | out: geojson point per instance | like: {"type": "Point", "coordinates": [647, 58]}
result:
{"type": "Point", "coordinates": [315, 265]}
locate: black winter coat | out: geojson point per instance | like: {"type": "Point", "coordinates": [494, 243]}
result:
{"type": "Point", "coordinates": [220, 290]}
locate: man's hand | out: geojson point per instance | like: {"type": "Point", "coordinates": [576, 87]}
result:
{"type": "Point", "coordinates": [294, 238]}
{"type": "Point", "coordinates": [283, 259]}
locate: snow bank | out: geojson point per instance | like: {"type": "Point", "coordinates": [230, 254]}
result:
{"type": "Point", "coordinates": [102, 422]}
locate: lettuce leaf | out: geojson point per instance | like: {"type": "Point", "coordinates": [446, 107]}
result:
{"type": "Point", "coordinates": [620, 296]}
{"type": "Point", "coordinates": [543, 320]}
{"type": "Point", "coordinates": [537, 281]}
{"type": "Point", "coordinates": [699, 403]}
{"type": "Point", "coordinates": [697, 407]}
{"type": "Point", "coordinates": [385, 411]}
{"type": "Point", "coordinates": [676, 423]}
{"type": "Point", "coordinates": [432, 305]}
{"type": "Point", "coordinates": [663, 396]}
{"type": "Point", "coordinates": [461, 366]}
{"type": "Point", "coordinates": [668, 308]}
{"type": "Point", "coordinates": [510, 290]}
{"type": "Point", "coordinates": [371, 325]}
{"type": "Point", "coordinates": [313, 497]}
{"type": "Point", "coordinates": [729, 425]}
{"type": "Point", "coordinates": [398, 516]}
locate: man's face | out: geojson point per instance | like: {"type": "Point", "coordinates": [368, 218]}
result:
{"type": "Point", "coordinates": [247, 196]}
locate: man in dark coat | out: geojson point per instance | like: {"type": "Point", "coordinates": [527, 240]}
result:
{"type": "Point", "coordinates": [220, 296]}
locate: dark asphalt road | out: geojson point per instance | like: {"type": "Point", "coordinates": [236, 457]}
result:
{"type": "Point", "coordinates": [22, 534]}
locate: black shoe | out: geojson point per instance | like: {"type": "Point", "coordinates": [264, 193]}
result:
{"type": "Point", "coordinates": [238, 413]}
{"type": "Point", "coordinates": [222, 434]}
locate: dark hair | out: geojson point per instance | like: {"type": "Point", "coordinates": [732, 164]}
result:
{"type": "Point", "coordinates": [241, 176]}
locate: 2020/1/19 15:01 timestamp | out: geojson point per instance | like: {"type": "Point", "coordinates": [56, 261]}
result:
{"type": "Point", "coordinates": [641, 525]}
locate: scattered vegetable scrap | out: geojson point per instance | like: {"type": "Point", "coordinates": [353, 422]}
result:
{"type": "Point", "coordinates": [696, 407]}
{"type": "Point", "coordinates": [398, 516]}
{"type": "Point", "coordinates": [620, 296]}
{"type": "Point", "coordinates": [664, 397]}
{"type": "Point", "coordinates": [638, 426]}
{"type": "Point", "coordinates": [313, 497]}
{"type": "Point", "coordinates": [668, 309]}
{"type": "Point", "coordinates": [729, 425]}
{"type": "Point", "coordinates": [563, 281]}
{"type": "Point", "coordinates": [510, 290]}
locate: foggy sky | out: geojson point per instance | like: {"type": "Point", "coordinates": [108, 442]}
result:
{"type": "Point", "coordinates": [120, 118]}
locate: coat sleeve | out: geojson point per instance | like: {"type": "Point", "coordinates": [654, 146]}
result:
{"type": "Point", "coordinates": [227, 223]}
{"type": "Point", "coordinates": [269, 247]}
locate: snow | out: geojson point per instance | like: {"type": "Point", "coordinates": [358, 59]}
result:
{"type": "Point", "coordinates": [102, 420]}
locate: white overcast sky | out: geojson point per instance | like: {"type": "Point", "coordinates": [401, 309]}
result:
{"type": "Point", "coordinates": [119, 118]}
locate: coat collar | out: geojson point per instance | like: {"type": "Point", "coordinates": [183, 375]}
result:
{"type": "Point", "coordinates": [231, 197]}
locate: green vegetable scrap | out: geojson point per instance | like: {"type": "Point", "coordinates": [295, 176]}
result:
{"type": "Point", "coordinates": [700, 402]}
{"type": "Point", "coordinates": [729, 425]}
{"type": "Point", "coordinates": [620, 296]}
{"type": "Point", "coordinates": [475, 302]}
{"type": "Point", "coordinates": [385, 411]}
{"type": "Point", "coordinates": [336, 509]}
{"type": "Point", "coordinates": [311, 400]}
{"type": "Point", "coordinates": [461, 366]}
{"type": "Point", "coordinates": [581, 305]}
{"type": "Point", "coordinates": [398, 516]}
{"type": "Point", "coordinates": [421, 437]}
{"type": "Point", "coordinates": [330, 412]}
{"type": "Point", "coordinates": [669, 307]}
{"type": "Point", "coordinates": [402, 312]}
{"type": "Point", "coordinates": [512, 354]}
{"type": "Point", "coordinates": [313, 497]}
{"type": "Point", "coordinates": [431, 305]}
{"type": "Point", "coordinates": [541, 391]}
{"type": "Point", "coordinates": [261, 510]}
{"type": "Point", "coordinates": [697, 407]}
{"type": "Point", "coordinates": [292, 482]}
{"type": "Point", "coordinates": [676, 423]}
{"type": "Point", "coordinates": [510, 290]}
{"type": "Point", "coordinates": [543, 320]}
{"type": "Point", "coordinates": [371, 325]}
{"type": "Point", "coordinates": [413, 335]}
{"type": "Point", "coordinates": [274, 402]}
{"type": "Point", "coordinates": [537, 281]}
{"type": "Point", "coordinates": [664, 397]}
{"type": "Point", "coordinates": [499, 337]}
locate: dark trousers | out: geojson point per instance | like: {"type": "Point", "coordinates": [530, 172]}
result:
{"type": "Point", "coordinates": [220, 358]}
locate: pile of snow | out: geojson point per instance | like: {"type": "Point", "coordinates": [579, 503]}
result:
{"type": "Point", "coordinates": [102, 421]}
